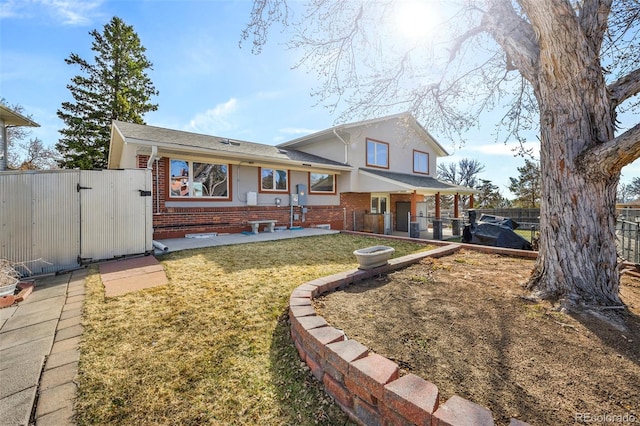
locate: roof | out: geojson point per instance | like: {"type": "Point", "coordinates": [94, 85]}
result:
{"type": "Point", "coordinates": [177, 141]}
{"type": "Point", "coordinates": [331, 132]}
{"type": "Point", "coordinates": [426, 185]}
{"type": "Point", "coordinates": [12, 118]}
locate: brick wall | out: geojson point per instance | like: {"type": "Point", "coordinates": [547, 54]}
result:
{"type": "Point", "coordinates": [176, 222]}
{"type": "Point", "coordinates": [358, 202]}
{"type": "Point", "coordinates": [367, 386]}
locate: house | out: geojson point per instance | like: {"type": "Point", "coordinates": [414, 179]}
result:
{"type": "Point", "coordinates": [334, 177]}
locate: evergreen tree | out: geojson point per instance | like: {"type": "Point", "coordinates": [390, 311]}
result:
{"type": "Point", "coordinates": [526, 187]}
{"type": "Point", "coordinates": [490, 196]}
{"type": "Point", "coordinates": [114, 87]}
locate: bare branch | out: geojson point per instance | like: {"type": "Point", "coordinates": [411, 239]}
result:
{"type": "Point", "coordinates": [593, 20]}
{"type": "Point", "coordinates": [515, 35]}
{"type": "Point", "coordinates": [264, 14]}
{"type": "Point", "coordinates": [610, 157]}
{"type": "Point", "coordinates": [463, 38]}
{"type": "Point", "coordinates": [624, 88]}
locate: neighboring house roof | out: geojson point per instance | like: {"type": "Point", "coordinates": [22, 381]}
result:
{"type": "Point", "coordinates": [424, 185]}
{"type": "Point", "coordinates": [178, 142]}
{"type": "Point", "coordinates": [333, 132]}
{"type": "Point", "coordinates": [12, 118]}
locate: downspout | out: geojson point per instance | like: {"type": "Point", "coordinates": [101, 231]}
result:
{"type": "Point", "coordinates": [346, 146]}
{"type": "Point", "coordinates": [152, 157]}
{"type": "Point", "coordinates": [157, 189]}
{"type": "Point", "coordinates": [4, 144]}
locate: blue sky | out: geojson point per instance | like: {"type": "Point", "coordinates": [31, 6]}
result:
{"type": "Point", "coordinates": [207, 83]}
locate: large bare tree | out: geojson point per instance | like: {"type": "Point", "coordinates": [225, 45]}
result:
{"type": "Point", "coordinates": [565, 68]}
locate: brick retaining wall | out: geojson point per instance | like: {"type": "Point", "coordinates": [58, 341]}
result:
{"type": "Point", "coordinates": [368, 386]}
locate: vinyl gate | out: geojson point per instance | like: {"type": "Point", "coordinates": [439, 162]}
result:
{"type": "Point", "coordinates": [57, 220]}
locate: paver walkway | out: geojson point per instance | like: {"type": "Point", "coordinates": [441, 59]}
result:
{"type": "Point", "coordinates": [39, 354]}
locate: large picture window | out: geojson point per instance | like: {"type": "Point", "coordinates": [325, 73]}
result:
{"type": "Point", "coordinates": [194, 179]}
{"type": "Point", "coordinates": [322, 183]}
{"type": "Point", "coordinates": [377, 154]}
{"type": "Point", "coordinates": [420, 162]}
{"type": "Point", "coordinates": [274, 180]}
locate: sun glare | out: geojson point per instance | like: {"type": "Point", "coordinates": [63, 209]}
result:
{"type": "Point", "coordinates": [414, 19]}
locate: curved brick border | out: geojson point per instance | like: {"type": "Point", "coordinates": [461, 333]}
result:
{"type": "Point", "coordinates": [367, 386]}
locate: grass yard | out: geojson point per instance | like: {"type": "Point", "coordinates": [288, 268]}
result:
{"type": "Point", "coordinates": [212, 346]}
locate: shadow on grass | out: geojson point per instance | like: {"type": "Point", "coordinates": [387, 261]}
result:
{"type": "Point", "coordinates": [302, 398]}
{"type": "Point", "coordinates": [624, 341]}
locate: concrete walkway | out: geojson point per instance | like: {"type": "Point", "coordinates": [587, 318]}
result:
{"type": "Point", "coordinates": [39, 354]}
{"type": "Point", "coordinates": [176, 244]}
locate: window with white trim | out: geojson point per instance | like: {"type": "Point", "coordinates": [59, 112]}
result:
{"type": "Point", "coordinates": [198, 180]}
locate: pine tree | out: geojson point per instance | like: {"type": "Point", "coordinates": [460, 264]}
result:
{"type": "Point", "coordinates": [490, 196]}
{"type": "Point", "coordinates": [526, 187]}
{"type": "Point", "coordinates": [114, 87]}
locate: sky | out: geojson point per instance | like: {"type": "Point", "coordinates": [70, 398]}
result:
{"type": "Point", "coordinates": [206, 82]}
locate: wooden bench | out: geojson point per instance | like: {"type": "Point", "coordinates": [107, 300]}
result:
{"type": "Point", "coordinates": [255, 224]}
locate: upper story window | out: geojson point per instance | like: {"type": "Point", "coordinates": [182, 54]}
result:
{"type": "Point", "coordinates": [377, 153]}
{"type": "Point", "coordinates": [420, 162]}
{"type": "Point", "coordinates": [274, 180]}
{"type": "Point", "coordinates": [193, 179]}
{"type": "Point", "coordinates": [322, 183]}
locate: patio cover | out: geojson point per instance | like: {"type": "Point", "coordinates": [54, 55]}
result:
{"type": "Point", "coordinates": [10, 118]}
{"type": "Point", "coordinates": [423, 185]}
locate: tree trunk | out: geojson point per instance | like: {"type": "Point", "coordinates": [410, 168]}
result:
{"type": "Point", "coordinates": [578, 259]}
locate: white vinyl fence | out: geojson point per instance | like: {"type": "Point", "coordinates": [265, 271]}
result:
{"type": "Point", "coordinates": [58, 220]}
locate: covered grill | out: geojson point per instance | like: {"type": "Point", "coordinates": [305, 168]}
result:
{"type": "Point", "coordinates": [493, 231]}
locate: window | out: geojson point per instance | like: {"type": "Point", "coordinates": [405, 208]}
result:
{"type": "Point", "coordinates": [274, 180]}
{"type": "Point", "coordinates": [378, 204]}
{"type": "Point", "coordinates": [322, 183]}
{"type": "Point", "coordinates": [192, 179]}
{"type": "Point", "coordinates": [377, 154]}
{"type": "Point", "coordinates": [420, 162]}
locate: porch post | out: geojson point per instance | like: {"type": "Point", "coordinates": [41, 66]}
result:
{"type": "Point", "coordinates": [471, 201]}
{"type": "Point", "coordinates": [456, 201]}
{"type": "Point", "coordinates": [414, 204]}
{"type": "Point", "coordinates": [437, 205]}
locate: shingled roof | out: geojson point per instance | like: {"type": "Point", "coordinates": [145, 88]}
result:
{"type": "Point", "coordinates": [424, 184]}
{"type": "Point", "coordinates": [180, 141]}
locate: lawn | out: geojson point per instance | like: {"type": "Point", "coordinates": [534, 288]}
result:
{"type": "Point", "coordinates": [212, 346]}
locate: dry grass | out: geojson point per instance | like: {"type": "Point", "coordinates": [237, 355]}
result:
{"type": "Point", "coordinates": [212, 346]}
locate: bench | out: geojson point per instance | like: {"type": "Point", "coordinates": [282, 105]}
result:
{"type": "Point", "coordinates": [255, 224]}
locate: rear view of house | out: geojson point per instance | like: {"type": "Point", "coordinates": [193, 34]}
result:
{"type": "Point", "coordinates": [205, 184]}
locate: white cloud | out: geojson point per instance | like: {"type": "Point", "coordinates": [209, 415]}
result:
{"type": "Point", "coordinates": [509, 148]}
{"type": "Point", "coordinates": [65, 12]}
{"type": "Point", "coordinates": [11, 9]}
{"type": "Point", "coordinates": [215, 121]}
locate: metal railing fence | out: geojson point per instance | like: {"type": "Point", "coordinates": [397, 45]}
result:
{"type": "Point", "coordinates": [628, 240]}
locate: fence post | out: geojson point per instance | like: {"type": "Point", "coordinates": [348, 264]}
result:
{"type": "Point", "coordinates": [635, 254]}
